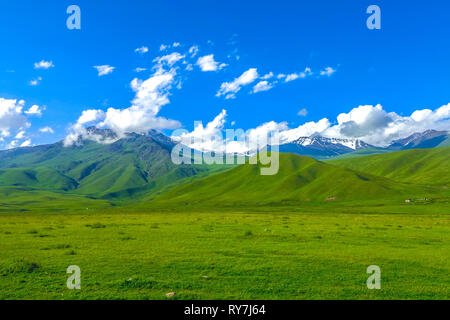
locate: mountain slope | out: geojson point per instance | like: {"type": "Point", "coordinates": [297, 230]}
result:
{"type": "Point", "coordinates": [132, 165]}
{"type": "Point", "coordinates": [423, 166]}
{"type": "Point", "coordinates": [321, 148]}
{"type": "Point", "coordinates": [361, 153]}
{"type": "Point", "coordinates": [299, 179]}
{"type": "Point", "coordinates": [39, 178]}
{"type": "Point", "coordinates": [421, 140]}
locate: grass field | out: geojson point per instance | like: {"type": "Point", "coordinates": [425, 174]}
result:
{"type": "Point", "coordinates": [309, 253]}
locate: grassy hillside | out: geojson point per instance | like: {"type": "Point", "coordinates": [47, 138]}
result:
{"type": "Point", "coordinates": [127, 168]}
{"type": "Point", "coordinates": [426, 166]}
{"type": "Point", "coordinates": [445, 143]}
{"type": "Point", "coordinates": [39, 178]}
{"type": "Point", "coordinates": [300, 179]}
{"type": "Point", "coordinates": [361, 153]}
{"type": "Point", "coordinates": [20, 199]}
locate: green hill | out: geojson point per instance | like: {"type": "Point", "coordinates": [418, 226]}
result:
{"type": "Point", "coordinates": [360, 153]}
{"type": "Point", "coordinates": [39, 178]}
{"type": "Point", "coordinates": [130, 167]}
{"type": "Point", "coordinates": [300, 179]}
{"type": "Point", "coordinates": [445, 143]}
{"type": "Point", "coordinates": [423, 166]}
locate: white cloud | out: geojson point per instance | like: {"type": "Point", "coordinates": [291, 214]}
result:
{"type": "Point", "coordinates": [302, 113]}
{"type": "Point", "coordinates": [374, 125]}
{"type": "Point", "coordinates": [104, 69]}
{"type": "Point", "coordinates": [262, 86]}
{"type": "Point", "coordinates": [44, 65]}
{"type": "Point", "coordinates": [163, 47]}
{"type": "Point", "coordinates": [211, 138]}
{"type": "Point", "coordinates": [46, 130]}
{"type": "Point", "coordinates": [141, 50]}
{"type": "Point", "coordinates": [91, 115]}
{"type": "Point", "coordinates": [140, 69]}
{"type": "Point", "coordinates": [35, 82]}
{"type": "Point", "coordinates": [20, 135]}
{"type": "Point", "coordinates": [193, 51]}
{"type": "Point", "coordinates": [304, 130]}
{"type": "Point", "coordinates": [13, 121]}
{"type": "Point", "coordinates": [205, 138]}
{"type": "Point", "coordinates": [291, 77]}
{"type": "Point", "coordinates": [369, 123]}
{"type": "Point", "coordinates": [229, 89]}
{"type": "Point", "coordinates": [34, 110]}
{"type": "Point", "coordinates": [169, 59]}
{"type": "Point", "coordinates": [176, 44]}
{"type": "Point", "coordinates": [207, 63]}
{"type": "Point", "coordinates": [267, 76]}
{"type": "Point", "coordinates": [26, 143]}
{"type": "Point", "coordinates": [328, 71]}
{"type": "Point", "coordinates": [150, 96]}
{"type": "Point", "coordinates": [295, 76]}
{"type": "Point", "coordinates": [79, 128]}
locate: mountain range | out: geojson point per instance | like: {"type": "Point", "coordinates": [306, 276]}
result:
{"type": "Point", "coordinates": [139, 168]}
{"type": "Point", "coordinates": [325, 148]}
{"type": "Point", "coordinates": [128, 166]}
{"type": "Point", "coordinates": [321, 147]}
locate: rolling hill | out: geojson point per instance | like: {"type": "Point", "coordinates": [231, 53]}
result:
{"type": "Point", "coordinates": [425, 166]}
{"type": "Point", "coordinates": [300, 179]}
{"type": "Point", "coordinates": [126, 168]}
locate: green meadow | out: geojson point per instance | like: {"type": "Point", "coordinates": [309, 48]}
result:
{"type": "Point", "coordinates": [227, 255]}
{"type": "Point", "coordinates": [308, 233]}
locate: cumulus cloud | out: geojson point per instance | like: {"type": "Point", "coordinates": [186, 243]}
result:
{"type": "Point", "coordinates": [78, 130]}
{"type": "Point", "coordinates": [34, 110]}
{"type": "Point", "coordinates": [211, 138]}
{"type": "Point", "coordinates": [302, 113]}
{"type": "Point", "coordinates": [262, 86]}
{"type": "Point", "coordinates": [168, 60]}
{"type": "Point", "coordinates": [44, 64]}
{"type": "Point", "coordinates": [141, 50]}
{"type": "Point", "coordinates": [13, 121]}
{"type": "Point", "coordinates": [35, 82]}
{"type": "Point", "coordinates": [267, 76]}
{"type": "Point", "coordinates": [229, 89]}
{"type": "Point", "coordinates": [150, 96]}
{"type": "Point", "coordinates": [140, 69]}
{"type": "Point", "coordinates": [193, 51]}
{"type": "Point", "coordinates": [207, 63]}
{"type": "Point", "coordinates": [295, 76]}
{"type": "Point", "coordinates": [46, 130]}
{"type": "Point", "coordinates": [26, 143]}
{"type": "Point", "coordinates": [374, 125]}
{"type": "Point", "coordinates": [163, 47]}
{"type": "Point", "coordinates": [20, 135]}
{"type": "Point", "coordinates": [369, 123]}
{"type": "Point", "coordinates": [328, 71]}
{"type": "Point", "coordinates": [104, 70]}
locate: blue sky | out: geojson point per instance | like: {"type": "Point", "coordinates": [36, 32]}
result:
{"type": "Point", "coordinates": [403, 67]}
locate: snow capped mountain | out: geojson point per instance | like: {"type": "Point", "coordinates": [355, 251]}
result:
{"type": "Point", "coordinates": [354, 144]}
{"type": "Point", "coordinates": [425, 140]}
{"type": "Point", "coordinates": [322, 147]}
